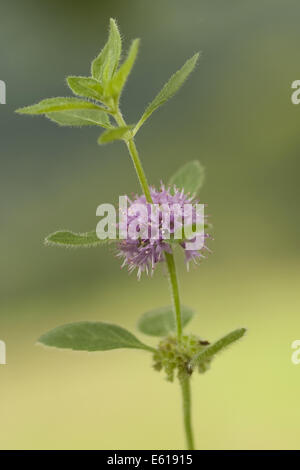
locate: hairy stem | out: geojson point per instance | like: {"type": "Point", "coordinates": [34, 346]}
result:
{"type": "Point", "coordinates": [185, 383]}
{"type": "Point", "coordinates": [135, 158]}
{"type": "Point", "coordinates": [139, 169]}
{"type": "Point", "coordinates": [169, 256]}
{"type": "Point", "coordinates": [186, 404]}
{"type": "Point", "coordinates": [175, 291]}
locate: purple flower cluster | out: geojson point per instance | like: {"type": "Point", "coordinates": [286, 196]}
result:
{"type": "Point", "coordinates": [146, 247]}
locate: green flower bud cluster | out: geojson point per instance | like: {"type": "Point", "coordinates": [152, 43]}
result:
{"type": "Point", "coordinates": [173, 355]}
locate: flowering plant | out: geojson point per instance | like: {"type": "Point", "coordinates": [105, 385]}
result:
{"type": "Point", "coordinates": [96, 104]}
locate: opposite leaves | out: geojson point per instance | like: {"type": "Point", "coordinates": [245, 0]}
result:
{"type": "Point", "coordinates": [91, 336]}
{"type": "Point", "coordinates": [52, 105]}
{"type": "Point", "coordinates": [70, 112]}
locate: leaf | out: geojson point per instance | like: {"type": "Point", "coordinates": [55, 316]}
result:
{"type": "Point", "coordinates": [63, 118]}
{"type": "Point", "coordinates": [86, 86]}
{"type": "Point", "coordinates": [169, 89]}
{"type": "Point", "coordinates": [105, 65]}
{"type": "Point", "coordinates": [91, 336]}
{"type": "Point", "coordinates": [52, 105]}
{"type": "Point", "coordinates": [189, 177]}
{"type": "Point", "coordinates": [160, 322]}
{"type": "Point", "coordinates": [218, 346]}
{"type": "Point", "coordinates": [117, 83]}
{"type": "Point", "coordinates": [73, 240]}
{"type": "Point", "coordinates": [81, 117]}
{"type": "Point", "coordinates": [118, 133]}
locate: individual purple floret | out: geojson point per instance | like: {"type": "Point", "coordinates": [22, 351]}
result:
{"type": "Point", "coordinates": [155, 226]}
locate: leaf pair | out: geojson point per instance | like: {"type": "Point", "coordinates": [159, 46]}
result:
{"type": "Point", "coordinates": [106, 83]}
{"type": "Point", "coordinates": [169, 90]}
{"type": "Point", "coordinates": [105, 86]}
{"type": "Point", "coordinates": [99, 336]}
{"type": "Point", "coordinates": [190, 178]}
{"type": "Point", "coordinates": [105, 69]}
{"type": "Point", "coordinates": [70, 112]}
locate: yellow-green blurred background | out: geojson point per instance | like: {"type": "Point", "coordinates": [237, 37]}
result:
{"type": "Point", "coordinates": [235, 115]}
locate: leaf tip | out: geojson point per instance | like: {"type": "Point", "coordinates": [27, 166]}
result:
{"type": "Point", "coordinates": [112, 21]}
{"type": "Point", "coordinates": [100, 140]}
{"type": "Point", "coordinates": [243, 331]}
{"type": "Point", "coordinates": [136, 41]}
{"type": "Point", "coordinates": [22, 110]}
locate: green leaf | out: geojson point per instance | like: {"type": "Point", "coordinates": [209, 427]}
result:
{"type": "Point", "coordinates": [118, 133]}
{"type": "Point", "coordinates": [216, 347]}
{"type": "Point", "coordinates": [117, 83]}
{"type": "Point", "coordinates": [160, 322]}
{"type": "Point", "coordinates": [86, 86]}
{"type": "Point", "coordinates": [170, 88]}
{"type": "Point", "coordinates": [81, 117]}
{"type": "Point", "coordinates": [70, 239]}
{"type": "Point", "coordinates": [105, 65]}
{"type": "Point", "coordinates": [189, 177]}
{"type": "Point", "coordinates": [91, 336]}
{"type": "Point", "coordinates": [52, 105]}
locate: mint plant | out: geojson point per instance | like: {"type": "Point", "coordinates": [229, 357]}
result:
{"type": "Point", "coordinates": [96, 103]}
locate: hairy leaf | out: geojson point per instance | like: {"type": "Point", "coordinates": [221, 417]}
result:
{"type": "Point", "coordinates": [86, 86]}
{"type": "Point", "coordinates": [91, 336]}
{"type": "Point", "coordinates": [161, 321]}
{"type": "Point", "coordinates": [52, 105]}
{"type": "Point", "coordinates": [218, 346]}
{"type": "Point", "coordinates": [81, 117]}
{"type": "Point", "coordinates": [170, 88]}
{"type": "Point", "coordinates": [117, 83]}
{"type": "Point", "coordinates": [106, 63]}
{"type": "Point", "coordinates": [70, 239]}
{"type": "Point", "coordinates": [189, 177]}
{"type": "Point", "coordinates": [118, 133]}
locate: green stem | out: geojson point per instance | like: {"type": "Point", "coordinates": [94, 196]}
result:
{"type": "Point", "coordinates": [139, 169]}
{"type": "Point", "coordinates": [185, 383]}
{"type": "Point", "coordinates": [135, 158]}
{"type": "Point", "coordinates": [169, 256]}
{"type": "Point", "coordinates": [186, 404]}
{"type": "Point", "coordinates": [175, 291]}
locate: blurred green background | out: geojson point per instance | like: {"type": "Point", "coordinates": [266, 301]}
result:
{"type": "Point", "coordinates": [235, 115]}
